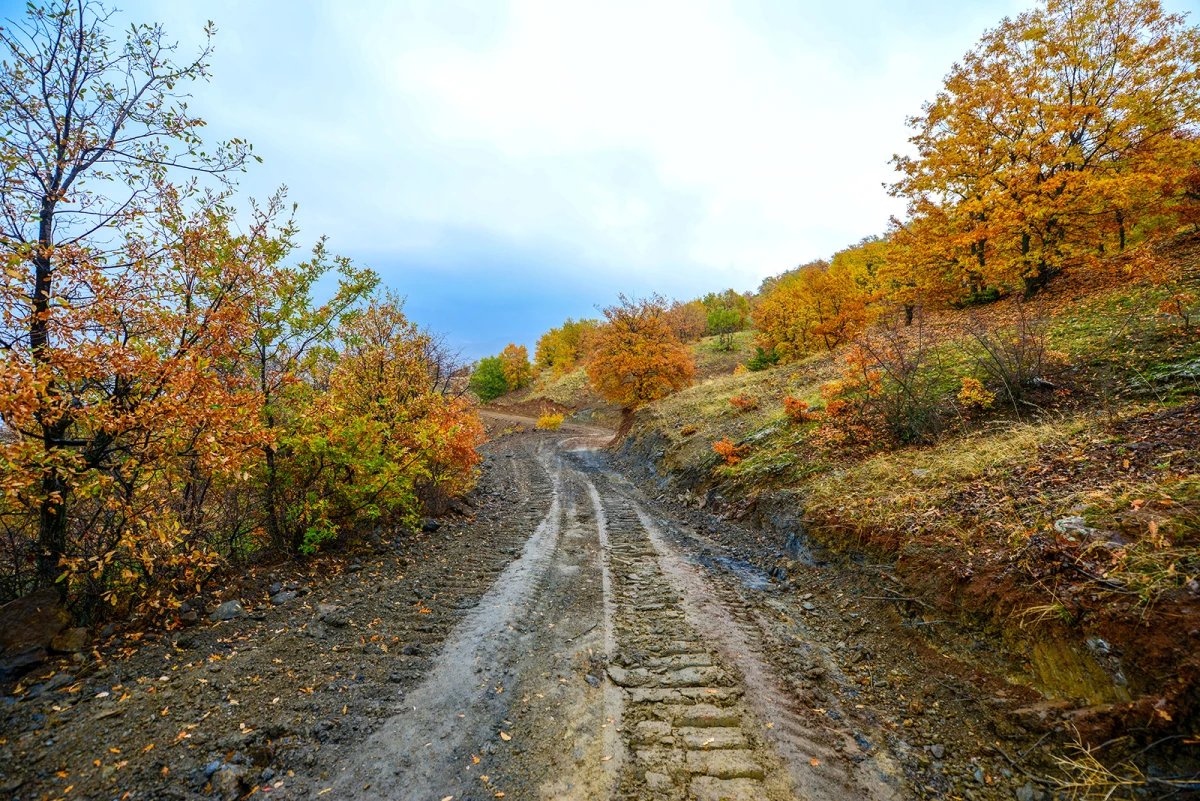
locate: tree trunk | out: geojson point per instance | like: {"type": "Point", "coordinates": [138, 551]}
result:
{"type": "Point", "coordinates": [278, 541]}
{"type": "Point", "coordinates": [52, 511]}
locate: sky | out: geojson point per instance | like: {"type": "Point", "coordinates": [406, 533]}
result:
{"type": "Point", "coordinates": [507, 165]}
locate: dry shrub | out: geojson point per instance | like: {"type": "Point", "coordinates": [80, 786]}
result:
{"type": "Point", "coordinates": [1011, 355]}
{"type": "Point", "coordinates": [549, 422]}
{"type": "Point", "coordinates": [732, 454]}
{"type": "Point", "coordinates": [687, 431]}
{"type": "Point", "coordinates": [891, 384]}
{"type": "Point", "coordinates": [744, 403]}
{"type": "Point", "coordinates": [798, 410]}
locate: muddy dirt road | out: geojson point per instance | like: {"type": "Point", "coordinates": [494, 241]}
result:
{"type": "Point", "coordinates": [572, 639]}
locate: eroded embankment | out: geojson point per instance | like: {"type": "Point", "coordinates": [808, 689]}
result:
{"type": "Point", "coordinates": [1106, 663]}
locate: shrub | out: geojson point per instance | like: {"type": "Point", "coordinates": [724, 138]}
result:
{"type": "Point", "coordinates": [762, 359]}
{"type": "Point", "coordinates": [1181, 304]}
{"type": "Point", "coordinates": [687, 431]}
{"type": "Point", "coordinates": [732, 454]}
{"type": "Point", "coordinates": [744, 403]}
{"type": "Point", "coordinates": [549, 422]}
{"type": "Point", "coordinates": [891, 381]}
{"type": "Point", "coordinates": [973, 395]}
{"type": "Point", "coordinates": [1011, 355]}
{"type": "Point", "coordinates": [798, 410]}
{"type": "Point", "coordinates": [488, 380]}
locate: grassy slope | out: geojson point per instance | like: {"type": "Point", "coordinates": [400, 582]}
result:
{"type": "Point", "coordinates": [971, 519]}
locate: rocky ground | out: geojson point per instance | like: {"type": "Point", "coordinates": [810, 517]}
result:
{"type": "Point", "coordinates": [568, 638]}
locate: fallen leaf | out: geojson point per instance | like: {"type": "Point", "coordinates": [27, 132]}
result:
{"type": "Point", "coordinates": [505, 736]}
{"type": "Point", "coordinates": [605, 759]}
{"type": "Point", "coordinates": [814, 762]}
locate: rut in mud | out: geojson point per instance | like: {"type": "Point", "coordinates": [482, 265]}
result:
{"type": "Point", "coordinates": [663, 710]}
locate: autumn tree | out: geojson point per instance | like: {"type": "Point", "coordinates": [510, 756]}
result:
{"type": "Point", "coordinates": [518, 372]}
{"type": "Point", "coordinates": [637, 359]}
{"type": "Point", "coordinates": [688, 321]}
{"type": "Point", "coordinates": [561, 349]}
{"type": "Point", "coordinates": [93, 127]}
{"type": "Point", "coordinates": [1062, 135]}
{"type": "Point", "coordinates": [374, 441]}
{"type": "Point", "coordinates": [286, 327]}
{"type": "Point", "coordinates": [819, 304]}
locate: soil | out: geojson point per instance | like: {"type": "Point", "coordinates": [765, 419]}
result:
{"type": "Point", "coordinates": [566, 637]}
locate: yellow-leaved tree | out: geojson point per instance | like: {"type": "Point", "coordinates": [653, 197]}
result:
{"type": "Point", "coordinates": [1062, 135]}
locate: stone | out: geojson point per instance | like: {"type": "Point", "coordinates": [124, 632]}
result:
{"type": "Point", "coordinates": [1025, 792]}
{"type": "Point", "coordinates": [35, 619]}
{"type": "Point", "coordinates": [282, 597]}
{"type": "Point", "coordinates": [20, 660]}
{"type": "Point", "coordinates": [724, 764]}
{"type": "Point", "coordinates": [332, 615]}
{"type": "Point", "coordinates": [230, 782]}
{"type": "Point", "coordinates": [70, 641]}
{"type": "Point", "coordinates": [58, 681]}
{"type": "Point", "coordinates": [707, 788]}
{"type": "Point", "coordinates": [808, 606]}
{"type": "Point", "coordinates": [412, 649]}
{"type": "Point", "coordinates": [189, 618]}
{"type": "Point", "coordinates": [429, 525]}
{"type": "Point", "coordinates": [230, 610]}
{"type": "Point", "coordinates": [713, 737]}
{"type": "Point", "coordinates": [938, 750]}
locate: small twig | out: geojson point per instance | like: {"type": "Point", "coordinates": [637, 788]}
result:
{"type": "Point", "coordinates": [930, 622]}
{"type": "Point", "coordinates": [1029, 750]}
{"type": "Point", "coordinates": [1031, 776]}
{"type": "Point", "coordinates": [585, 631]}
{"type": "Point", "coordinates": [895, 598]}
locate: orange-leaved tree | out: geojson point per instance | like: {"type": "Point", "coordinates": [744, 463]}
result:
{"type": "Point", "coordinates": [118, 307]}
{"type": "Point", "coordinates": [1062, 135]}
{"type": "Point", "coordinates": [636, 358]}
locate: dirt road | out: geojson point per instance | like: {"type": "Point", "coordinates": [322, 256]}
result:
{"type": "Point", "coordinates": [574, 640]}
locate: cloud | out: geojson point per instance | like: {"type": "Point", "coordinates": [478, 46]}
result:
{"type": "Point", "coordinates": [543, 155]}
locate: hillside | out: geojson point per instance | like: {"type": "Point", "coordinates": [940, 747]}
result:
{"type": "Point", "coordinates": [1064, 526]}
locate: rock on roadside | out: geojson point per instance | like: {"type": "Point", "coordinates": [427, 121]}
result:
{"type": "Point", "coordinates": [229, 610]}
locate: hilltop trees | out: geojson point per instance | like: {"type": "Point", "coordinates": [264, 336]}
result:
{"type": "Point", "coordinates": [561, 349]}
{"type": "Point", "coordinates": [1067, 132]}
{"type": "Point", "coordinates": [636, 357]}
{"type": "Point", "coordinates": [494, 376]}
{"type": "Point", "coordinates": [518, 372]}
